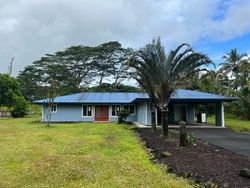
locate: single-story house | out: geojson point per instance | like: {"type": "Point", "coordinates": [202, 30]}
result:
{"type": "Point", "coordinates": [104, 106]}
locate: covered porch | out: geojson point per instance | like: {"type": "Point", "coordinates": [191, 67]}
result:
{"type": "Point", "coordinates": [194, 113]}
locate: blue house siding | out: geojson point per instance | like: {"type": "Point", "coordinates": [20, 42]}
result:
{"type": "Point", "coordinates": [73, 113]}
{"type": "Point", "coordinates": [143, 112]}
{"type": "Point", "coordinates": [67, 113]}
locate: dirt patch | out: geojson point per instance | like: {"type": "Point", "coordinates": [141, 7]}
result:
{"type": "Point", "coordinates": [205, 163]}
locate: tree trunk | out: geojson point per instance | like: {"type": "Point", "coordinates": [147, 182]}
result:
{"type": "Point", "coordinates": [101, 78]}
{"type": "Point", "coordinates": [153, 123]}
{"type": "Point", "coordinates": [183, 134]}
{"type": "Point", "coordinates": [164, 122]}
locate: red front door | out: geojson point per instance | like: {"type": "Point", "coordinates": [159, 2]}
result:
{"type": "Point", "coordinates": [101, 113]}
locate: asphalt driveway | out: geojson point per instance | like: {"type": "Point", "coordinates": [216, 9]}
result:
{"type": "Point", "coordinates": [225, 138]}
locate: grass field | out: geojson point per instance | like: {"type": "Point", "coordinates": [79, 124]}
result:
{"type": "Point", "coordinates": [76, 155]}
{"type": "Point", "coordinates": [233, 123]}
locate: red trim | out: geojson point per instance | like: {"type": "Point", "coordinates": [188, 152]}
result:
{"type": "Point", "coordinates": [101, 113]}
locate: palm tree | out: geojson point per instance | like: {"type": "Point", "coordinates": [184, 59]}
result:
{"type": "Point", "coordinates": [159, 74]}
{"type": "Point", "coordinates": [232, 62]}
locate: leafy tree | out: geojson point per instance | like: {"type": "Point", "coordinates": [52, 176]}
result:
{"type": "Point", "coordinates": [244, 95]}
{"type": "Point", "coordinates": [243, 81]}
{"type": "Point", "coordinates": [10, 96]}
{"type": "Point", "coordinates": [75, 68]}
{"type": "Point", "coordinates": [78, 66]}
{"type": "Point", "coordinates": [230, 80]}
{"type": "Point", "coordinates": [159, 74]}
{"type": "Point", "coordinates": [105, 87]}
{"type": "Point", "coordinates": [20, 107]}
{"type": "Point", "coordinates": [209, 81]}
{"type": "Point", "coordinates": [31, 85]}
{"type": "Point", "coordinates": [9, 88]}
{"type": "Point", "coordinates": [109, 61]}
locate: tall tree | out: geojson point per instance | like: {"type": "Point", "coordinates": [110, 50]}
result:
{"type": "Point", "coordinates": [160, 73]}
{"type": "Point", "coordinates": [233, 61]}
{"type": "Point", "coordinates": [78, 66]}
{"type": "Point", "coordinates": [109, 61]}
{"type": "Point", "coordinates": [31, 85]}
{"type": "Point", "coordinates": [74, 68]}
{"type": "Point", "coordinates": [70, 68]}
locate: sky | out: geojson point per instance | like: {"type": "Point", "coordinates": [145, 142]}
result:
{"type": "Point", "coordinates": [29, 29]}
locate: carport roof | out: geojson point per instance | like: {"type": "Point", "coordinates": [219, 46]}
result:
{"type": "Point", "coordinates": [199, 96]}
{"type": "Point", "coordinates": [128, 97]}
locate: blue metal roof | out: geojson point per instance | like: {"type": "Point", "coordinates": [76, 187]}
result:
{"type": "Point", "coordinates": [128, 97]}
{"type": "Point", "coordinates": [194, 95]}
{"type": "Point", "coordinates": [99, 97]}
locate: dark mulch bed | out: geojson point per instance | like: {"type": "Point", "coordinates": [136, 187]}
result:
{"type": "Point", "coordinates": [205, 163]}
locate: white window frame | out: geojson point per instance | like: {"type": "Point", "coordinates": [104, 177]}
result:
{"type": "Point", "coordinates": [54, 111]}
{"type": "Point", "coordinates": [87, 110]}
{"type": "Point", "coordinates": [115, 109]}
{"type": "Point", "coordinates": [129, 105]}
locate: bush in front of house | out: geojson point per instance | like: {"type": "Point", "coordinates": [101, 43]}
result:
{"type": "Point", "coordinates": [122, 116]}
{"type": "Point", "coordinates": [20, 107]}
{"type": "Point", "coordinates": [186, 139]}
{"type": "Point", "coordinates": [191, 139]}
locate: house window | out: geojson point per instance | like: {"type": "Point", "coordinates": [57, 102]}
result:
{"type": "Point", "coordinates": [86, 110]}
{"type": "Point", "coordinates": [115, 110]}
{"type": "Point", "coordinates": [130, 108]}
{"type": "Point", "coordinates": [54, 108]}
{"type": "Point", "coordinates": [126, 107]}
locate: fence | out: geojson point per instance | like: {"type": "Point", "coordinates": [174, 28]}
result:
{"type": "Point", "coordinates": [4, 114]}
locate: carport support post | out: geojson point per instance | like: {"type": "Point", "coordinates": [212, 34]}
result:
{"type": "Point", "coordinates": [219, 114]}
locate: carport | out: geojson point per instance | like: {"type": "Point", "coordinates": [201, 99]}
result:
{"type": "Point", "coordinates": [182, 106]}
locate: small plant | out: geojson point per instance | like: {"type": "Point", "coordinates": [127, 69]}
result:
{"type": "Point", "coordinates": [122, 116]}
{"type": "Point", "coordinates": [191, 138]}
{"type": "Point", "coordinates": [167, 154]}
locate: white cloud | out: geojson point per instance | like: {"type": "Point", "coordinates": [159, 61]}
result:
{"type": "Point", "coordinates": [31, 28]}
{"type": "Point", "coordinates": [9, 25]}
{"type": "Point", "coordinates": [235, 22]}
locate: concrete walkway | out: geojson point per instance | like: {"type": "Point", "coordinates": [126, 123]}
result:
{"type": "Point", "coordinates": [225, 138]}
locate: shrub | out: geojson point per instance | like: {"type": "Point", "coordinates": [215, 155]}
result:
{"type": "Point", "coordinates": [186, 139]}
{"type": "Point", "coordinates": [191, 139]}
{"type": "Point", "coordinates": [122, 116]}
{"type": "Point", "coordinates": [20, 107]}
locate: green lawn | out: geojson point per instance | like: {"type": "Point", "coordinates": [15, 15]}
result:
{"type": "Point", "coordinates": [76, 155]}
{"type": "Point", "coordinates": [233, 123]}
